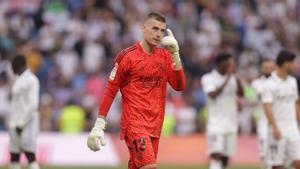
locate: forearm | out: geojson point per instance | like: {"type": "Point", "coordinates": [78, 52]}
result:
{"type": "Point", "coordinates": [177, 80]}
{"type": "Point", "coordinates": [240, 91]}
{"type": "Point", "coordinates": [298, 112]}
{"type": "Point", "coordinates": [271, 119]}
{"type": "Point", "coordinates": [219, 90]}
{"type": "Point", "coordinates": [269, 114]}
{"type": "Point", "coordinates": [107, 99]}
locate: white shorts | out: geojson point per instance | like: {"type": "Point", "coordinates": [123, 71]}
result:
{"type": "Point", "coordinates": [224, 144]}
{"type": "Point", "coordinates": [282, 152]}
{"type": "Point", "coordinates": [262, 139]}
{"type": "Point", "coordinates": [28, 138]}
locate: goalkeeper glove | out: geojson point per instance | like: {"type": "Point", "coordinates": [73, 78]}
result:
{"type": "Point", "coordinates": [171, 44]}
{"type": "Point", "coordinates": [96, 136]}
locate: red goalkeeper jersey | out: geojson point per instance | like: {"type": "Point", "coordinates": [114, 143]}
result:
{"type": "Point", "coordinates": [142, 79]}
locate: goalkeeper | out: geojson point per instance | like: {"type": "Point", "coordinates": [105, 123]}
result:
{"type": "Point", "coordinates": [142, 72]}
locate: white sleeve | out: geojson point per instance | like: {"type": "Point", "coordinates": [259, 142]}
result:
{"type": "Point", "coordinates": [267, 95]}
{"type": "Point", "coordinates": [33, 100]}
{"type": "Point", "coordinates": [296, 90]}
{"type": "Point", "coordinates": [207, 84]}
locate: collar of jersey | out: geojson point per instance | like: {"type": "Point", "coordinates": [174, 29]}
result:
{"type": "Point", "coordinates": [277, 78]}
{"type": "Point", "coordinates": [141, 49]}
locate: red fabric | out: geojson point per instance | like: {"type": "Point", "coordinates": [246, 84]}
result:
{"type": "Point", "coordinates": [142, 149]}
{"type": "Point", "coordinates": [142, 80]}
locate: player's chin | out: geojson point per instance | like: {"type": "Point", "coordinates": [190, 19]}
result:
{"type": "Point", "coordinates": [155, 42]}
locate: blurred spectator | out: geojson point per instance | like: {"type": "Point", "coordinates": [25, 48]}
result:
{"type": "Point", "coordinates": [71, 119]}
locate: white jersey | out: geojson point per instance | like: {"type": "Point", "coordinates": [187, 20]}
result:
{"type": "Point", "coordinates": [283, 94]}
{"type": "Point", "coordinates": [222, 110]}
{"type": "Point", "coordinates": [259, 85]}
{"type": "Point", "coordinates": [25, 98]}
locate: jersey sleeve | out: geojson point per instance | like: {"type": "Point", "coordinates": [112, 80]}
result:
{"type": "Point", "coordinates": [297, 88]}
{"type": "Point", "coordinates": [267, 95]}
{"type": "Point", "coordinates": [207, 84]}
{"type": "Point", "coordinates": [176, 78]}
{"type": "Point", "coordinates": [117, 78]}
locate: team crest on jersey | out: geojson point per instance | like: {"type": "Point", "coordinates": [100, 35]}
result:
{"type": "Point", "coordinates": [113, 72]}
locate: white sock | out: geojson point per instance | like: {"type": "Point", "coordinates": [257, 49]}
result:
{"type": "Point", "coordinates": [15, 165]}
{"type": "Point", "coordinates": [215, 164]}
{"type": "Point", "coordinates": [34, 165]}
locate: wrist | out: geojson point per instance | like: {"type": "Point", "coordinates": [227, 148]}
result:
{"type": "Point", "coordinates": [176, 61]}
{"type": "Point", "coordinates": [100, 124]}
{"type": "Point", "coordinates": [274, 127]}
{"type": "Point", "coordinates": [177, 66]}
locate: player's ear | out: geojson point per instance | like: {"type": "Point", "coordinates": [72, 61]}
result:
{"type": "Point", "coordinates": [143, 27]}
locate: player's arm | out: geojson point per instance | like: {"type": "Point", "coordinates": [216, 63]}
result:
{"type": "Point", "coordinates": [116, 79]}
{"type": "Point", "coordinates": [210, 88]}
{"type": "Point", "coordinates": [267, 99]}
{"type": "Point", "coordinates": [176, 77]}
{"type": "Point", "coordinates": [298, 101]}
{"type": "Point", "coordinates": [177, 80]}
{"type": "Point", "coordinates": [270, 117]}
{"type": "Point", "coordinates": [219, 90]}
{"type": "Point", "coordinates": [240, 90]}
{"type": "Point", "coordinates": [298, 112]}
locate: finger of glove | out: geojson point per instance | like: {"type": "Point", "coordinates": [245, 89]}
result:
{"type": "Point", "coordinates": [102, 141]}
{"type": "Point", "coordinates": [89, 143]}
{"type": "Point", "coordinates": [170, 33]}
{"type": "Point", "coordinates": [96, 145]}
{"type": "Point", "coordinates": [93, 145]}
{"type": "Point", "coordinates": [168, 41]}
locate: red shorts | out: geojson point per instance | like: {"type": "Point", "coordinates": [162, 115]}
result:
{"type": "Point", "coordinates": [142, 149]}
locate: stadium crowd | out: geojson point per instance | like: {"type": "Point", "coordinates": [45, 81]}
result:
{"type": "Point", "coordinates": [70, 45]}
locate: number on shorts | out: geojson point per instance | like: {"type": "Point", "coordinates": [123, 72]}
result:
{"type": "Point", "coordinates": [140, 144]}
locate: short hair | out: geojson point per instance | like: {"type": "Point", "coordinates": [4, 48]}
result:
{"type": "Point", "coordinates": [19, 61]}
{"type": "Point", "coordinates": [264, 60]}
{"type": "Point", "coordinates": [222, 57]}
{"type": "Point", "coordinates": [156, 16]}
{"type": "Point", "coordinates": [284, 56]}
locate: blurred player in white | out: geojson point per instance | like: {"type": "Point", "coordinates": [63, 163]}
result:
{"type": "Point", "coordinates": [280, 97]}
{"type": "Point", "coordinates": [267, 67]}
{"type": "Point", "coordinates": [222, 88]}
{"type": "Point", "coordinates": [24, 119]}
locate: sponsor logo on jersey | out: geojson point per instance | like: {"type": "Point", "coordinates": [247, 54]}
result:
{"type": "Point", "coordinates": [113, 72]}
{"type": "Point", "coordinates": [151, 81]}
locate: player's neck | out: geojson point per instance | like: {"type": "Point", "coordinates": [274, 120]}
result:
{"type": "Point", "coordinates": [221, 71]}
{"type": "Point", "coordinates": [282, 74]}
{"type": "Point", "coordinates": [21, 70]}
{"type": "Point", "coordinates": [147, 48]}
